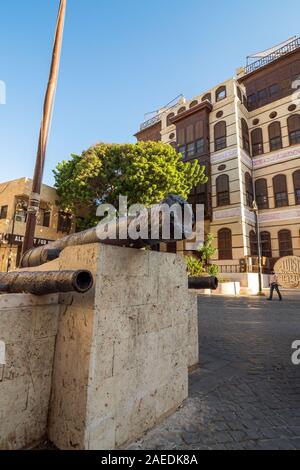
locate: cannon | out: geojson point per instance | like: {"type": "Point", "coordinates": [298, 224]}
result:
{"type": "Point", "coordinates": [203, 283]}
{"type": "Point", "coordinates": [48, 282]}
{"type": "Point", "coordinates": [179, 230]}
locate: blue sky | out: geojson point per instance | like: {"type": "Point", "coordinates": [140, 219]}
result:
{"type": "Point", "coordinates": [121, 58]}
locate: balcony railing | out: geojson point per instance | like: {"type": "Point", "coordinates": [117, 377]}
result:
{"type": "Point", "coordinates": [150, 122]}
{"type": "Point", "coordinates": [290, 47]}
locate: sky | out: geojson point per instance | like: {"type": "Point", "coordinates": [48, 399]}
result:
{"type": "Point", "coordinates": [120, 60]}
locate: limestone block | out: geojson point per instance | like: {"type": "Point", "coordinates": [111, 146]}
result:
{"type": "Point", "coordinates": [193, 331]}
{"type": "Point", "coordinates": [127, 336]}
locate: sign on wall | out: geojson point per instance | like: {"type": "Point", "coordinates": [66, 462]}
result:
{"type": "Point", "coordinates": [288, 272]}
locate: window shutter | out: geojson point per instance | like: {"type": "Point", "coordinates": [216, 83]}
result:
{"type": "Point", "coordinates": [181, 137]}
{"type": "Point", "coordinates": [257, 136]}
{"type": "Point", "coordinates": [190, 134]}
{"type": "Point", "coordinates": [294, 123]}
{"type": "Point", "coordinates": [280, 185]}
{"type": "Point", "coordinates": [274, 130]}
{"type": "Point", "coordinates": [296, 177]}
{"type": "Point", "coordinates": [199, 130]}
{"type": "Point", "coordinates": [220, 130]}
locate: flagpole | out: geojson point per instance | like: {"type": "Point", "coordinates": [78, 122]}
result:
{"type": "Point", "coordinates": [34, 199]}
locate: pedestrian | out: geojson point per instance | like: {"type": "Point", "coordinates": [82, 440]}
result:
{"type": "Point", "coordinates": [274, 286]}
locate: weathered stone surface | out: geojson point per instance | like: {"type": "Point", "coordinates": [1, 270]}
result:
{"type": "Point", "coordinates": [27, 327]}
{"type": "Point", "coordinates": [128, 371]}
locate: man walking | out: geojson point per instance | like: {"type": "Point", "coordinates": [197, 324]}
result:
{"type": "Point", "coordinates": [274, 286]}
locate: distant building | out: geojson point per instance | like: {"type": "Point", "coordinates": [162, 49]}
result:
{"type": "Point", "coordinates": [246, 131]}
{"type": "Point", "coordinates": [52, 223]}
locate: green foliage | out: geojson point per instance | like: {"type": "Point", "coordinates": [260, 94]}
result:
{"type": "Point", "coordinates": [199, 267]}
{"type": "Point", "coordinates": [145, 172]}
{"type": "Point", "coordinates": [194, 266]}
{"type": "Point", "coordinates": [213, 269]}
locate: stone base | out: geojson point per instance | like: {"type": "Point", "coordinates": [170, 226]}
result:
{"type": "Point", "coordinates": [123, 350]}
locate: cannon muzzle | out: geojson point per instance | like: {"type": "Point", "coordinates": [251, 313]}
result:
{"type": "Point", "coordinates": [48, 282]}
{"type": "Point", "coordinates": [203, 283]}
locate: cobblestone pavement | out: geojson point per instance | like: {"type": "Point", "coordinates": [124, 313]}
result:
{"type": "Point", "coordinates": [246, 393]}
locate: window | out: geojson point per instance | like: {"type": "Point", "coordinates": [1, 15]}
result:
{"type": "Point", "coordinates": [296, 178]}
{"type": "Point", "coordinates": [3, 213]}
{"type": "Point", "coordinates": [294, 129]}
{"type": "Point", "coordinates": [253, 243]}
{"type": "Point", "coordinates": [251, 101]}
{"type": "Point", "coordinates": [274, 90]}
{"type": "Point", "coordinates": [257, 142]}
{"type": "Point", "coordinates": [223, 194]}
{"type": "Point", "coordinates": [245, 136]}
{"type": "Point", "coordinates": [200, 147]}
{"type": "Point", "coordinates": [261, 194]}
{"type": "Point", "coordinates": [21, 211]}
{"type": "Point", "coordinates": [285, 243]}
{"type": "Point", "coordinates": [207, 97]}
{"type": "Point", "coordinates": [182, 151]}
{"type": "Point", "coordinates": [221, 93]}
{"type": "Point", "coordinates": [249, 190]}
{"type": "Point", "coordinates": [169, 117]}
{"type": "Point", "coordinates": [193, 104]}
{"type": "Point", "coordinates": [220, 136]}
{"type": "Point", "coordinates": [280, 191]}
{"type": "Point", "coordinates": [46, 218]}
{"type": "Point", "coordinates": [225, 244]}
{"type": "Point", "coordinates": [181, 110]}
{"type": "Point", "coordinates": [262, 97]}
{"type": "Point", "coordinates": [64, 222]}
{"type": "Point", "coordinates": [275, 136]}
{"type": "Point", "coordinates": [190, 150]}
{"type": "Point", "coordinates": [266, 245]}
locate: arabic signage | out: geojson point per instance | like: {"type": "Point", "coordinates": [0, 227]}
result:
{"type": "Point", "coordinates": [288, 272]}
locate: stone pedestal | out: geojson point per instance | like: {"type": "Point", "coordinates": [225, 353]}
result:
{"type": "Point", "coordinates": [123, 350]}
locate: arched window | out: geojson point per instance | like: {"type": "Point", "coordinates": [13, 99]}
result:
{"type": "Point", "coordinates": [294, 129]}
{"type": "Point", "coordinates": [225, 244]}
{"type": "Point", "coordinates": [221, 93]}
{"type": "Point", "coordinates": [261, 193]}
{"type": "Point", "coordinates": [275, 136]}
{"type": "Point", "coordinates": [253, 243]}
{"type": "Point", "coordinates": [245, 136]}
{"type": "Point", "coordinates": [296, 178]}
{"type": "Point", "coordinates": [223, 194]}
{"type": "Point", "coordinates": [181, 110]}
{"type": "Point", "coordinates": [285, 243]}
{"type": "Point", "coordinates": [220, 136]}
{"type": "Point", "coordinates": [249, 189]}
{"type": "Point", "coordinates": [193, 104]}
{"type": "Point", "coordinates": [207, 97]}
{"type": "Point", "coordinates": [266, 244]}
{"type": "Point", "coordinates": [280, 191]}
{"type": "Point", "coordinates": [257, 142]}
{"type": "Point", "coordinates": [169, 117]}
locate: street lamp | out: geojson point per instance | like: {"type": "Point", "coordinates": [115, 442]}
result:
{"type": "Point", "coordinates": [257, 229]}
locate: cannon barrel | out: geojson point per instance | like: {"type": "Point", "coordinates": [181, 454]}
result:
{"type": "Point", "coordinates": [147, 223]}
{"type": "Point", "coordinates": [48, 282]}
{"type": "Point", "coordinates": [203, 283]}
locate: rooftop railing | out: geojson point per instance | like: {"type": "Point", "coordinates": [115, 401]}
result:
{"type": "Point", "coordinates": [290, 47]}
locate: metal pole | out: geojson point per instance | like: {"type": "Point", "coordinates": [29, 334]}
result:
{"type": "Point", "coordinates": [34, 199]}
{"type": "Point", "coordinates": [11, 243]}
{"type": "Point", "coordinates": [260, 283]}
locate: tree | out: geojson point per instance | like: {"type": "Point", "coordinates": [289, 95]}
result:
{"type": "Point", "coordinates": [145, 172]}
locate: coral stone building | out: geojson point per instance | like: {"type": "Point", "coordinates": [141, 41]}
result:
{"type": "Point", "coordinates": [246, 131]}
{"type": "Point", "coordinates": [52, 223]}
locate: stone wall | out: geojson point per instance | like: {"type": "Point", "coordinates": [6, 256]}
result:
{"type": "Point", "coordinates": [122, 352]}
{"type": "Point", "coordinates": [28, 326]}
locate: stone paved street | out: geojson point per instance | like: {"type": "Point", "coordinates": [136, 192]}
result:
{"type": "Point", "coordinates": [246, 393]}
